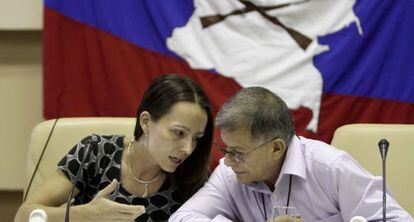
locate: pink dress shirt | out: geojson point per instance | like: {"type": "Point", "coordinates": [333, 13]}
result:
{"type": "Point", "coordinates": [328, 185]}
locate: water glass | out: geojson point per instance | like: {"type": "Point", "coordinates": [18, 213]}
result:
{"type": "Point", "coordinates": [285, 214]}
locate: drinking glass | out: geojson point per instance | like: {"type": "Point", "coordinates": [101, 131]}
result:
{"type": "Point", "coordinates": [285, 214]}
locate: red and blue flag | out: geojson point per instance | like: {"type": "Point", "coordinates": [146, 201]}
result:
{"type": "Point", "coordinates": [333, 62]}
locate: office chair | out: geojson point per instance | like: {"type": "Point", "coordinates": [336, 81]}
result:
{"type": "Point", "coordinates": [361, 142]}
{"type": "Point", "coordinates": [52, 139]}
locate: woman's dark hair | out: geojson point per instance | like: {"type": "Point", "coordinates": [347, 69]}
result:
{"type": "Point", "coordinates": [164, 92]}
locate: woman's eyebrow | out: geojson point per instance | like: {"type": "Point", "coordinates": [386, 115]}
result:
{"type": "Point", "coordinates": [181, 126]}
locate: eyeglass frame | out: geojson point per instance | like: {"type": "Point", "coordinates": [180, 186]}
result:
{"type": "Point", "coordinates": [238, 156]}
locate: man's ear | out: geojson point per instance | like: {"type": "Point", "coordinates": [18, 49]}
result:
{"type": "Point", "coordinates": [144, 121]}
{"type": "Point", "coordinates": [278, 148]}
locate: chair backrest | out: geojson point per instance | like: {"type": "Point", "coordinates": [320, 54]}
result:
{"type": "Point", "coordinates": [361, 142]}
{"type": "Point", "coordinates": [64, 134]}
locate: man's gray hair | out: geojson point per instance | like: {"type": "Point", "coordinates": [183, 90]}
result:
{"type": "Point", "coordinates": [265, 115]}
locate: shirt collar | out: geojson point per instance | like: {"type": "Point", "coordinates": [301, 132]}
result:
{"type": "Point", "coordinates": [294, 164]}
{"type": "Point", "coordinates": [294, 161]}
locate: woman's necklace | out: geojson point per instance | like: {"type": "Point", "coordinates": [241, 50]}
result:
{"type": "Point", "coordinates": [146, 192]}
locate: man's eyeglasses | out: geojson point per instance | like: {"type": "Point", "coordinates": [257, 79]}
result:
{"type": "Point", "coordinates": [238, 156]}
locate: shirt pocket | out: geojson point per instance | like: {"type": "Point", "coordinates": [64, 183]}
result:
{"type": "Point", "coordinates": [334, 218]}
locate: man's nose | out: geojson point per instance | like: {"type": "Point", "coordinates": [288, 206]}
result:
{"type": "Point", "coordinates": [229, 160]}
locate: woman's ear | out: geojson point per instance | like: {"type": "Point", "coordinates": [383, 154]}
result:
{"type": "Point", "coordinates": [144, 121]}
{"type": "Point", "coordinates": [278, 148]}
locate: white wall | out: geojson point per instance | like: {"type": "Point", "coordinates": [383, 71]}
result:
{"type": "Point", "coordinates": [20, 102]}
{"type": "Point", "coordinates": [21, 14]}
{"type": "Point", "coordinates": [20, 85]}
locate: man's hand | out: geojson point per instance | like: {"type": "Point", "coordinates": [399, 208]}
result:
{"type": "Point", "coordinates": [286, 218]}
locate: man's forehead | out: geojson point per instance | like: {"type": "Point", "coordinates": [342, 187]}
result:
{"type": "Point", "coordinates": [240, 138]}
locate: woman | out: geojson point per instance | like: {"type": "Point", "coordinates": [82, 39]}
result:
{"type": "Point", "coordinates": [145, 178]}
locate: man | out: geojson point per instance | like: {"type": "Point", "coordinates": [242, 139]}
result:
{"type": "Point", "coordinates": [267, 165]}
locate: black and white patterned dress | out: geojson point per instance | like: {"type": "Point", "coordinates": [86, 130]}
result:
{"type": "Point", "coordinates": [102, 166]}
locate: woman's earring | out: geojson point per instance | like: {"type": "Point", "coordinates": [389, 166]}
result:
{"type": "Point", "coordinates": [146, 140]}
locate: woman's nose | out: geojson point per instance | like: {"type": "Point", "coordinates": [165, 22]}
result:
{"type": "Point", "coordinates": [188, 146]}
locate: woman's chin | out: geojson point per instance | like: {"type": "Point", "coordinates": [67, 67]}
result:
{"type": "Point", "coordinates": [170, 168]}
{"type": "Point", "coordinates": [172, 164]}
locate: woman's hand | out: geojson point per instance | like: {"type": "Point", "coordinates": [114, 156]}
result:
{"type": "Point", "coordinates": [54, 193]}
{"type": "Point", "coordinates": [103, 209]}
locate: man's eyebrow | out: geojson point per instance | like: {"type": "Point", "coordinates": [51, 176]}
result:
{"type": "Point", "coordinates": [234, 148]}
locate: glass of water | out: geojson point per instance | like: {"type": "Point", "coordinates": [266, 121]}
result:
{"type": "Point", "coordinates": [285, 214]}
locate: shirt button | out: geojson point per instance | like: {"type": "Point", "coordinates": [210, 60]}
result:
{"type": "Point", "coordinates": [274, 196]}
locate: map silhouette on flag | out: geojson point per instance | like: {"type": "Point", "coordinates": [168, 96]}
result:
{"type": "Point", "coordinates": [333, 62]}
